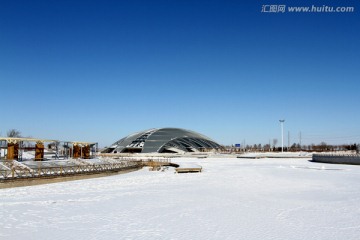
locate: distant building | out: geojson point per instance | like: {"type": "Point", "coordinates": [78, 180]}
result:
{"type": "Point", "coordinates": [164, 140]}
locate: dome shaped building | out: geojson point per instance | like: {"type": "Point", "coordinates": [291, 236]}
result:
{"type": "Point", "coordinates": [163, 140]}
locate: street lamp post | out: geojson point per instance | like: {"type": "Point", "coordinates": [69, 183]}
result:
{"type": "Point", "coordinates": [282, 134]}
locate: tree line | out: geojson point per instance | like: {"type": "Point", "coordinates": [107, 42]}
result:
{"type": "Point", "coordinates": [322, 147]}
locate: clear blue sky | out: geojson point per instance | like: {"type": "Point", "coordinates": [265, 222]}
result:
{"type": "Point", "coordinates": [99, 70]}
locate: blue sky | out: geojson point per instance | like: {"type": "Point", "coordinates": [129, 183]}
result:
{"type": "Point", "coordinates": [99, 70]}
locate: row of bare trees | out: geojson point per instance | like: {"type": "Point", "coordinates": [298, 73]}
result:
{"type": "Point", "coordinates": [322, 147]}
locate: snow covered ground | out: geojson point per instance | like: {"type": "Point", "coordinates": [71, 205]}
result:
{"type": "Point", "coordinates": [231, 199]}
{"type": "Point", "coordinates": [276, 154]}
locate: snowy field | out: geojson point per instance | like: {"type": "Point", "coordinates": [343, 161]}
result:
{"type": "Point", "coordinates": [231, 199]}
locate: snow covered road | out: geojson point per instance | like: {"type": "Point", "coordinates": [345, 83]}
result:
{"type": "Point", "coordinates": [231, 199]}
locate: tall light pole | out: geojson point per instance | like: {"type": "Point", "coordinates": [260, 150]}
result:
{"type": "Point", "coordinates": [282, 134]}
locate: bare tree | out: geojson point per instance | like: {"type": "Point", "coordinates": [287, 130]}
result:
{"type": "Point", "coordinates": [13, 133]}
{"type": "Point", "coordinates": [267, 147]}
{"type": "Point", "coordinates": [274, 142]}
{"type": "Point", "coordinates": [323, 146]}
{"type": "Point", "coordinates": [255, 147]}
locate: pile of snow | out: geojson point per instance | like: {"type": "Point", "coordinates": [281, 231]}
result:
{"type": "Point", "coordinates": [188, 165]}
{"type": "Point", "coordinates": [19, 166]}
{"type": "Point", "coordinates": [231, 199]}
{"type": "Point", "coordinates": [28, 155]}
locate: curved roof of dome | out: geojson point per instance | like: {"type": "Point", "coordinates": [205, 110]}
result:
{"type": "Point", "coordinates": [163, 140]}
